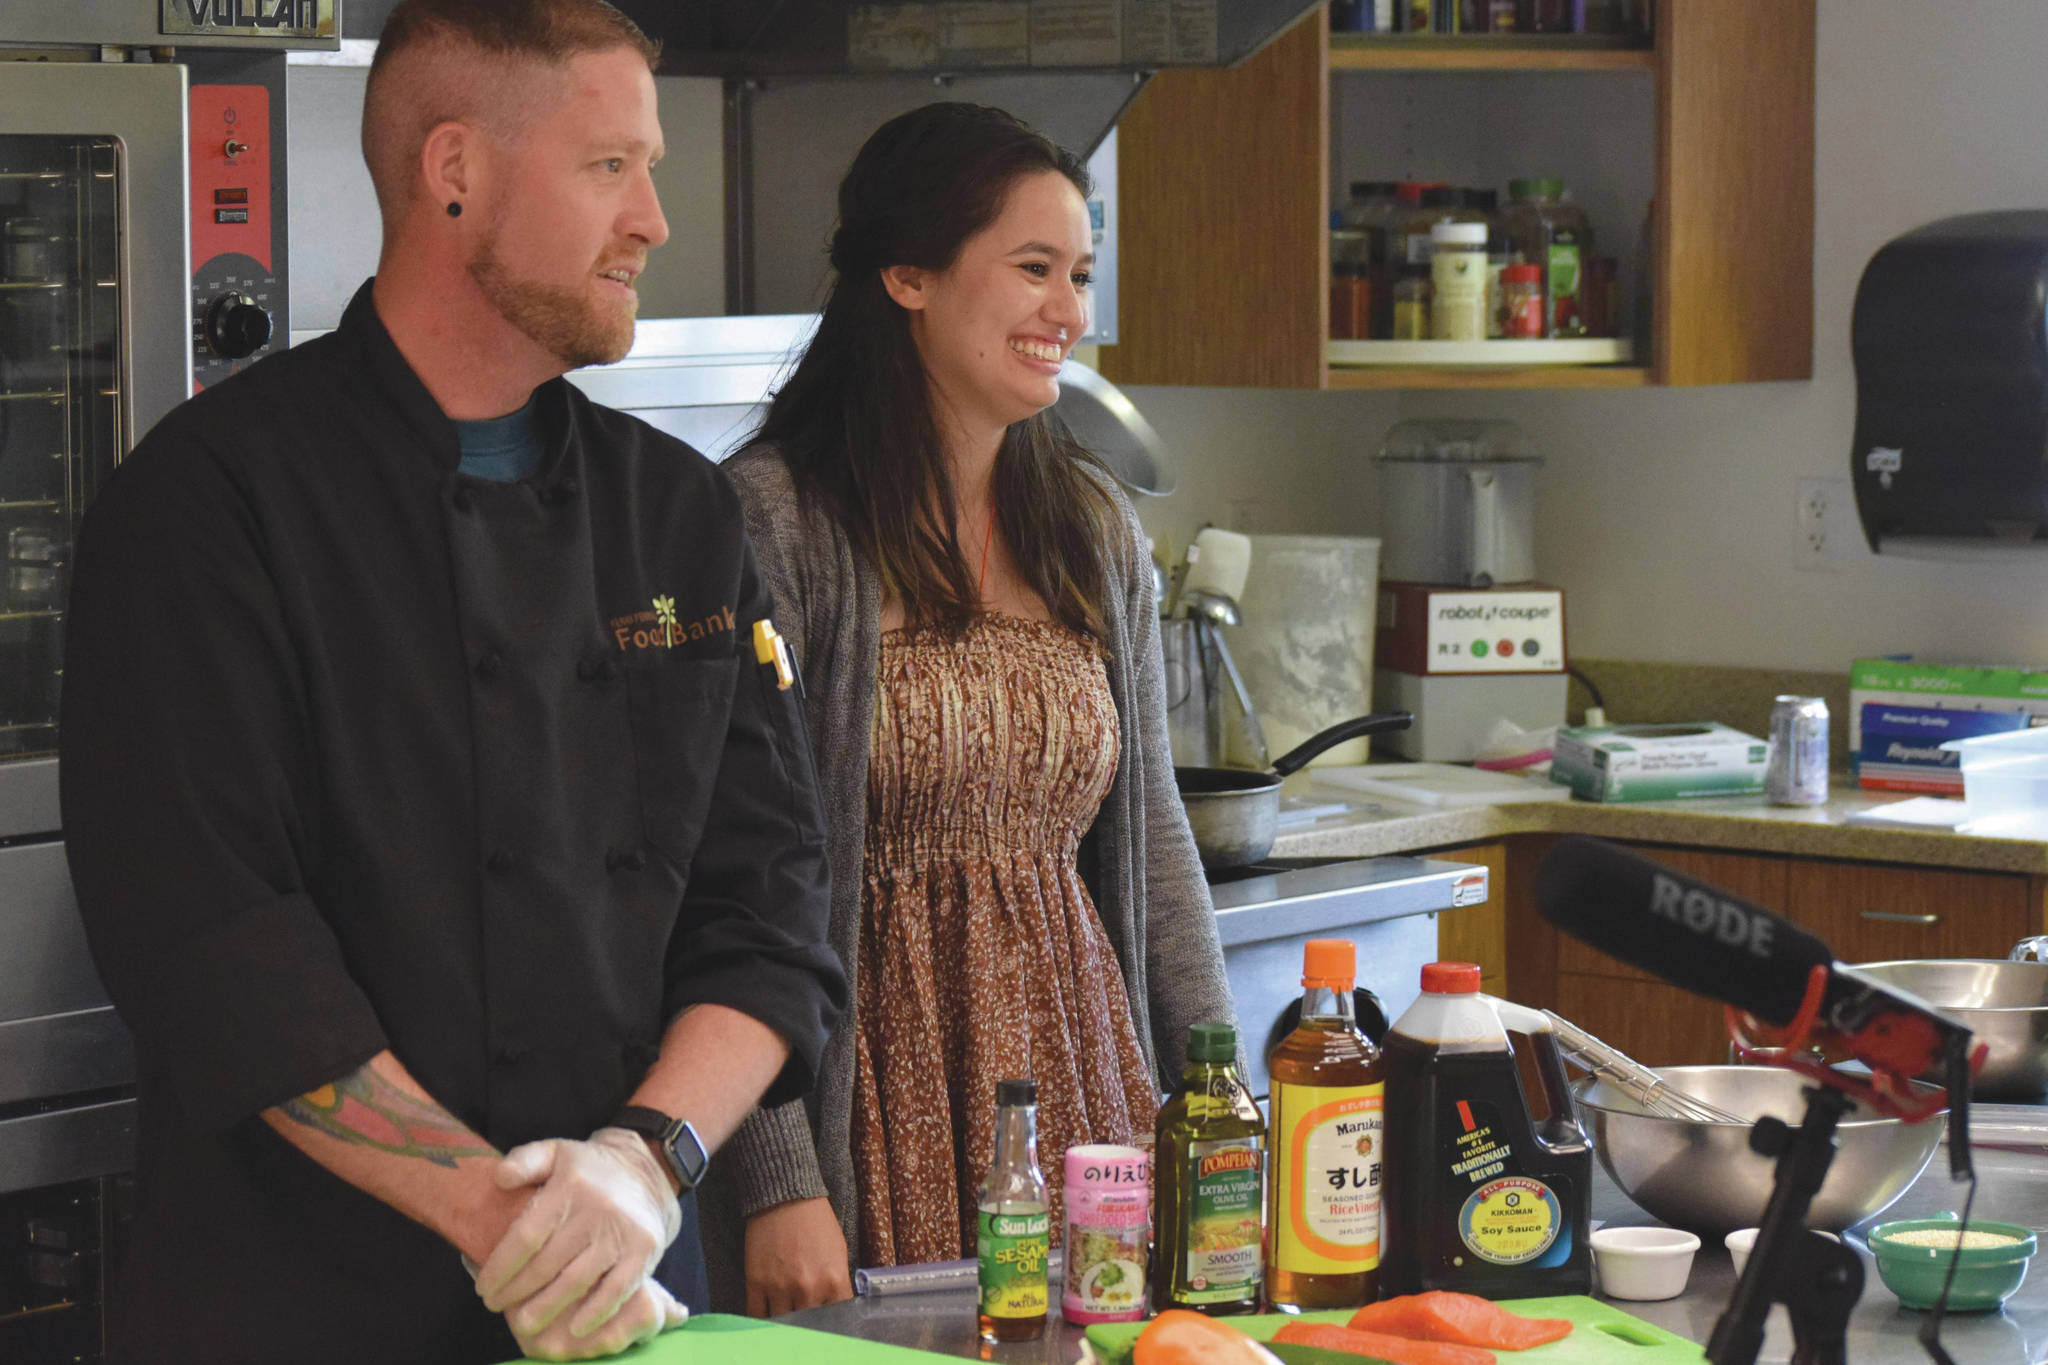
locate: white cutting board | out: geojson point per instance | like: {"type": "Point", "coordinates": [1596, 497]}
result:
{"type": "Point", "coordinates": [1440, 784]}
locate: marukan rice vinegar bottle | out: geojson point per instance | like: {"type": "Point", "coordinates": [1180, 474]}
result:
{"type": "Point", "coordinates": [1328, 1132]}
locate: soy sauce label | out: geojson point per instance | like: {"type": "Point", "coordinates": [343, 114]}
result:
{"type": "Point", "coordinates": [1012, 1250]}
{"type": "Point", "coordinates": [1478, 1147]}
{"type": "Point", "coordinates": [1326, 1191]}
{"type": "Point", "coordinates": [1226, 1183]}
{"type": "Point", "coordinates": [1511, 1221]}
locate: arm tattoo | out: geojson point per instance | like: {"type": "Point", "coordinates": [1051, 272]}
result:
{"type": "Point", "coordinates": [365, 1110]}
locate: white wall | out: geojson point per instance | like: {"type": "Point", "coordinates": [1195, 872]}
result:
{"type": "Point", "coordinates": [1667, 515]}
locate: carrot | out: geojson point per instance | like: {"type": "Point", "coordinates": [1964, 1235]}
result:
{"type": "Point", "coordinates": [1180, 1336]}
{"type": "Point", "coordinates": [1396, 1350]}
{"type": "Point", "coordinates": [1465, 1319]}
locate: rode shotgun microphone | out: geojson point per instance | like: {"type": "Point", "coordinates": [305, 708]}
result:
{"type": "Point", "coordinates": [1680, 930]}
{"type": "Point", "coordinates": [1697, 936]}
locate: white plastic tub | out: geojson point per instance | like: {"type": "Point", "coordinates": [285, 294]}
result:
{"type": "Point", "coordinates": [2005, 777]}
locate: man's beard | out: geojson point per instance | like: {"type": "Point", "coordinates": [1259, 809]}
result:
{"type": "Point", "coordinates": [574, 328]}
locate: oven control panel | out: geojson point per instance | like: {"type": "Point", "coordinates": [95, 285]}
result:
{"type": "Point", "coordinates": [237, 215]}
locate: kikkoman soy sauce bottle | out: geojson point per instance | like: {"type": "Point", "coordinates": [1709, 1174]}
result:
{"type": "Point", "coordinates": [1327, 1095]}
{"type": "Point", "coordinates": [1015, 1225]}
{"type": "Point", "coordinates": [1480, 1199]}
{"type": "Point", "coordinates": [1209, 1167]}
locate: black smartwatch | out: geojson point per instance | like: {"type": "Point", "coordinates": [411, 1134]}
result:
{"type": "Point", "coordinates": [679, 1143]}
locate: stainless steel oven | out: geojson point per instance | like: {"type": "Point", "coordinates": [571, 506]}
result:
{"type": "Point", "coordinates": [141, 146]}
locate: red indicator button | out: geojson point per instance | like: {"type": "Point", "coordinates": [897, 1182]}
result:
{"type": "Point", "coordinates": [1506, 648]}
{"type": "Point", "coordinates": [239, 195]}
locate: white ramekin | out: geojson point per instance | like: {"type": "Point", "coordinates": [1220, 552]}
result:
{"type": "Point", "coordinates": [1643, 1263]}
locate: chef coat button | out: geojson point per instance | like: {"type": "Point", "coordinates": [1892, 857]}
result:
{"type": "Point", "coordinates": [563, 493]}
{"type": "Point", "coordinates": [512, 1054]}
{"type": "Point", "coordinates": [626, 859]}
{"type": "Point", "coordinates": [500, 861]}
{"type": "Point", "coordinates": [595, 668]}
{"type": "Point", "coordinates": [461, 500]}
{"type": "Point", "coordinates": [487, 667]}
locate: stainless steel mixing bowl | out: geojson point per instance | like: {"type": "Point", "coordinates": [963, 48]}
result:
{"type": "Point", "coordinates": [1703, 1177]}
{"type": "Point", "coordinates": [2003, 1003]}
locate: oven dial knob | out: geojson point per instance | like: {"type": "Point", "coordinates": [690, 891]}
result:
{"type": "Point", "coordinates": [236, 326]}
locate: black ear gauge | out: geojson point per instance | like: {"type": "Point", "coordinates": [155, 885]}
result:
{"type": "Point", "coordinates": [454, 210]}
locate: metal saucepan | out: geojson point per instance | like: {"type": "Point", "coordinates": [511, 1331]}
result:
{"type": "Point", "coordinates": [1235, 811]}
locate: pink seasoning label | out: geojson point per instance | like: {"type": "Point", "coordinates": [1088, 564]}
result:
{"type": "Point", "coordinates": [1109, 1208]}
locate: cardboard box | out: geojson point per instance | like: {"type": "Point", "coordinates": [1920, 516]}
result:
{"type": "Point", "coordinates": [1904, 681]}
{"type": "Point", "coordinates": [1901, 745]}
{"type": "Point", "coordinates": [1657, 762]}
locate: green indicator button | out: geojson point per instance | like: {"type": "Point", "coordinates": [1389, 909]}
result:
{"type": "Point", "coordinates": [1479, 648]}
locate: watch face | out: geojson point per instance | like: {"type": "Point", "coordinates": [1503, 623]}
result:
{"type": "Point", "coordinates": [686, 1153]}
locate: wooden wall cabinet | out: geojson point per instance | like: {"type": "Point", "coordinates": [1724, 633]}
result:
{"type": "Point", "coordinates": [1224, 202]}
{"type": "Point", "coordinates": [1865, 912]}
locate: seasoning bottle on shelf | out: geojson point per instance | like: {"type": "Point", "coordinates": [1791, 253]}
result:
{"type": "Point", "coordinates": [1521, 301]}
{"type": "Point", "coordinates": [1457, 309]}
{"type": "Point", "coordinates": [1328, 1094]}
{"type": "Point", "coordinates": [1210, 1169]}
{"type": "Point", "coordinates": [1411, 305]}
{"type": "Point", "coordinates": [1437, 204]}
{"type": "Point", "coordinates": [1550, 231]}
{"type": "Point", "coordinates": [1014, 1227]}
{"type": "Point", "coordinates": [1350, 285]}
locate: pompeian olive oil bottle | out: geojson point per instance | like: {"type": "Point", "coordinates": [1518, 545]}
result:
{"type": "Point", "coordinates": [1210, 1169]}
{"type": "Point", "coordinates": [1328, 1131]}
{"type": "Point", "coordinates": [1014, 1232]}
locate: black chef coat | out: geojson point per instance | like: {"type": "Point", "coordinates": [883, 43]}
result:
{"type": "Point", "coordinates": [361, 752]}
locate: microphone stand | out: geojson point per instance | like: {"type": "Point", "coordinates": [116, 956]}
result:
{"type": "Point", "coordinates": [1817, 1280]}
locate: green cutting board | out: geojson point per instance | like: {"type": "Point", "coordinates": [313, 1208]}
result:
{"type": "Point", "coordinates": [1600, 1335]}
{"type": "Point", "coordinates": [723, 1339]}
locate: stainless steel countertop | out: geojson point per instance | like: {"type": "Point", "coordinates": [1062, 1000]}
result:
{"type": "Point", "coordinates": [2012, 1187]}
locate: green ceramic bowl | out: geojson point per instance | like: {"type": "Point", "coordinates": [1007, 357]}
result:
{"type": "Point", "coordinates": [1985, 1279]}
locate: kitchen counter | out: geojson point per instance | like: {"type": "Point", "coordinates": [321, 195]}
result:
{"type": "Point", "coordinates": [2014, 1184]}
{"type": "Point", "coordinates": [1744, 823]}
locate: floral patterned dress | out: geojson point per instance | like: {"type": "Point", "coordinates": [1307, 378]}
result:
{"type": "Point", "coordinates": [981, 956]}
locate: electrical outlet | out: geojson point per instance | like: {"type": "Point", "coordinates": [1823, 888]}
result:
{"type": "Point", "coordinates": [1822, 523]}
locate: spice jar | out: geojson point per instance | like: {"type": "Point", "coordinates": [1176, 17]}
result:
{"type": "Point", "coordinates": [1350, 285]}
{"type": "Point", "coordinates": [1521, 301]}
{"type": "Point", "coordinates": [1411, 304]}
{"type": "Point", "coordinates": [1458, 272]}
{"type": "Point", "coordinates": [1439, 204]}
{"type": "Point", "coordinates": [1550, 231]}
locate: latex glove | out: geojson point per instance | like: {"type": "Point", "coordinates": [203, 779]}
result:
{"type": "Point", "coordinates": [603, 1216]}
{"type": "Point", "coordinates": [796, 1258]}
{"type": "Point", "coordinates": [647, 1312]}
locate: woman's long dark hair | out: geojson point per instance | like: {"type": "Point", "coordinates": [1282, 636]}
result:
{"type": "Point", "coordinates": [854, 420]}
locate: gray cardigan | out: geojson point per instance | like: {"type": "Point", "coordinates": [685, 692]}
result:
{"type": "Point", "coordinates": [1138, 860]}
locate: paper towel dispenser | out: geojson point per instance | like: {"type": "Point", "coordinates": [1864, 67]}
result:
{"type": "Point", "coordinates": [1950, 341]}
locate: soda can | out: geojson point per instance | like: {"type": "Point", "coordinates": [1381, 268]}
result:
{"type": "Point", "coordinates": [1796, 772]}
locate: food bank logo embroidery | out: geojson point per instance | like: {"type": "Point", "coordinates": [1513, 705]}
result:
{"type": "Point", "coordinates": [659, 627]}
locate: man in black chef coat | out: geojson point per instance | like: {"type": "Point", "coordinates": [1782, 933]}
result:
{"type": "Point", "coordinates": [426, 796]}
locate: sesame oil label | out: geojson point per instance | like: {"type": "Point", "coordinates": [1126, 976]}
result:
{"type": "Point", "coordinates": [1012, 1250]}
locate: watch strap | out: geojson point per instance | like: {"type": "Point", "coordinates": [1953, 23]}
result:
{"type": "Point", "coordinates": [680, 1146]}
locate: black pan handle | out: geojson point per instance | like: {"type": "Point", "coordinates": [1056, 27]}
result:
{"type": "Point", "coordinates": [1376, 724]}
